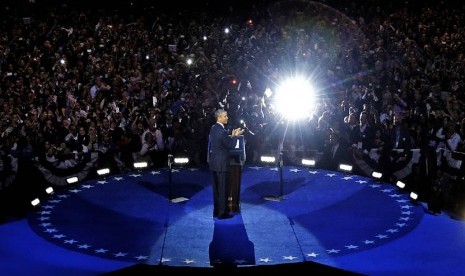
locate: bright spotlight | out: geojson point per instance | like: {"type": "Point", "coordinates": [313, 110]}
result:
{"type": "Point", "coordinates": [268, 92]}
{"type": "Point", "coordinates": [103, 171]}
{"type": "Point", "coordinates": [295, 99]}
{"type": "Point", "coordinates": [308, 162]}
{"type": "Point", "coordinates": [413, 195]}
{"type": "Point", "coordinates": [72, 180]}
{"type": "Point", "coordinates": [35, 202]}
{"type": "Point", "coordinates": [345, 168]}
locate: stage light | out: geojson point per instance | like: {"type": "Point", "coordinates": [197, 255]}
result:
{"type": "Point", "coordinates": [49, 190]}
{"type": "Point", "coordinates": [103, 171]}
{"type": "Point", "coordinates": [376, 175]}
{"type": "Point", "coordinates": [308, 162]}
{"type": "Point", "coordinates": [268, 159]}
{"type": "Point", "coordinates": [294, 98]}
{"type": "Point", "coordinates": [72, 180]}
{"type": "Point", "coordinates": [35, 202]}
{"type": "Point", "coordinates": [181, 160]}
{"type": "Point", "coordinates": [140, 165]}
{"type": "Point", "coordinates": [177, 161]}
{"type": "Point", "coordinates": [345, 168]}
{"type": "Point", "coordinates": [400, 184]}
{"type": "Point", "coordinates": [279, 164]}
{"type": "Point", "coordinates": [413, 196]}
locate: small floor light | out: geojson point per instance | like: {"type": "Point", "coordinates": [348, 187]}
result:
{"type": "Point", "coordinates": [268, 159]}
{"type": "Point", "coordinates": [140, 165]}
{"type": "Point", "coordinates": [180, 161]}
{"type": "Point", "coordinates": [72, 180]}
{"type": "Point", "coordinates": [414, 196]}
{"type": "Point", "coordinates": [35, 202]}
{"type": "Point", "coordinates": [49, 191]}
{"type": "Point", "coordinates": [103, 171]}
{"type": "Point", "coordinates": [376, 175]}
{"type": "Point", "coordinates": [400, 184]}
{"type": "Point", "coordinates": [272, 160]}
{"type": "Point", "coordinates": [308, 162]}
{"type": "Point", "coordinates": [345, 168]}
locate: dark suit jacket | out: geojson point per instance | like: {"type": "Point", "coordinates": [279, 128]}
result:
{"type": "Point", "coordinates": [220, 144]}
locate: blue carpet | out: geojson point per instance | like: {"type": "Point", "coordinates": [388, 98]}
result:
{"type": "Point", "coordinates": [321, 215]}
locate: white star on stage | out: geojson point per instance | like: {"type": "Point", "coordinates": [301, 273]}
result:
{"type": "Point", "coordinates": [140, 257]}
{"type": "Point", "coordinates": [294, 170]}
{"type": "Point", "coordinates": [101, 182]}
{"type": "Point", "coordinates": [164, 260]}
{"type": "Point", "coordinates": [401, 224]}
{"type": "Point", "coordinates": [188, 261]}
{"type": "Point", "coordinates": [380, 236]}
{"type": "Point", "coordinates": [331, 174]}
{"type": "Point", "coordinates": [264, 260]}
{"type": "Point", "coordinates": [175, 170]}
{"type": "Point", "coordinates": [347, 178]}
{"type": "Point", "coordinates": [59, 236]}
{"type": "Point", "coordinates": [351, 246]}
{"type": "Point", "coordinates": [54, 201]}
{"type": "Point", "coordinates": [118, 178]}
{"type": "Point", "coordinates": [368, 241]}
{"type": "Point", "coordinates": [313, 172]}
{"type": "Point", "coordinates": [398, 195]}
{"type": "Point", "coordinates": [74, 191]}
{"type": "Point", "coordinates": [87, 186]}
{"type": "Point", "coordinates": [273, 169]}
{"type": "Point", "coordinates": [72, 241]}
{"type": "Point", "coordinates": [101, 250]}
{"type": "Point", "coordinates": [407, 213]}
{"type": "Point", "coordinates": [313, 254]}
{"type": "Point", "coordinates": [135, 175]}
{"type": "Point", "coordinates": [375, 185]}
{"type": "Point", "coordinates": [44, 218]}
{"type": "Point", "coordinates": [361, 181]}
{"type": "Point", "coordinates": [63, 196]}
{"type": "Point", "coordinates": [48, 207]}
{"type": "Point", "coordinates": [386, 190]}
{"type": "Point", "coordinates": [289, 258]}
{"type": "Point", "coordinates": [155, 172]}
{"type": "Point", "coordinates": [406, 206]}
{"type": "Point", "coordinates": [84, 246]}
{"type": "Point", "coordinates": [392, 230]}
{"type": "Point", "coordinates": [45, 224]}
{"type": "Point", "coordinates": [404, 218]}
{"type": "Point", "coordinates": [45, 212]}
{"type": "Point", "coordinates": [120, 254]}
{"type": "Point", "coordinates": [51, 230]}
{"type": "Point", "coordinates": [403, 200]}
{"type": "Point", "coordinates": [333, 251]}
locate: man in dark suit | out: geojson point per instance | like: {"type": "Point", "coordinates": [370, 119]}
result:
{"type": "Point", "coordinates": [220, 144]}
{"type": "Point", "coordinates": [335, 152]}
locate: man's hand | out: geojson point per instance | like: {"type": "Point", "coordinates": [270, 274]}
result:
{"type": "Point", "coordinates": [237, 132]}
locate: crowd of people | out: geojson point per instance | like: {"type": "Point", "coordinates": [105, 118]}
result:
{"type": "Point", "coordinates": [112, 85]}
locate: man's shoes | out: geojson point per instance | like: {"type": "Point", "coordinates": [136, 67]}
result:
{"type": "Point", "coordinates": [225, 216]}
